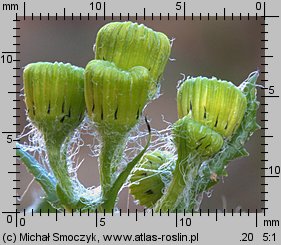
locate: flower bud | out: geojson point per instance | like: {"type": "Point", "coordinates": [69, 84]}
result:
{"type": "Point", "coordinates": [217, 104]}
{"type": "Point", "coordinates": [128, 45]}
{"type": "Point", "coordinates": [193, 137]}
{"type": "Point", "coordinates": [114, 97]}
{"type": "Point", "coordinates": [54, 97]}
{"type": "Point", "coordinates": [146, 183]}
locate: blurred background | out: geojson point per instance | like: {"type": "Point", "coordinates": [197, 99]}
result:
{"type": "Point", "coordinates": [228, 49]}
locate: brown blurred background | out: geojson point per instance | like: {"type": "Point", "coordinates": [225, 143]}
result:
{"type": "Point", "coordinates": [228, 49]}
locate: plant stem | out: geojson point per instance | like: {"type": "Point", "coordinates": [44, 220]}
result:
{"type": "Point", "coordinates": [110, 156]}
{"type": "Point", "coordinates": [188, 201]}
{"type": "Point", "coordinates": [111, 196]}
{"type": "Point", "coordinates": [58, 163]}
{"type": "Point", "coordinates": [180, 193]}
{"type": "Point", "coordinates": [173, 193]}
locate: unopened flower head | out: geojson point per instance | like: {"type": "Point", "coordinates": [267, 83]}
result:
{"type": "Point", "coordinates": [215, 103]}
{"type": "Point", "coordinates": [54, 97]}
{"type": "Point", "coordinates": [115, 98]}
{"type": "Point", "coordinates": [129, 44]}
{"type": "Point", "coordinates": [193, 137]}
{"type": "Point", "coordinates": [146, 181]}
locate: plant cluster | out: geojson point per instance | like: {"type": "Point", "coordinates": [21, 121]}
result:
{"type": "Point", "coordinates": [216, 118]}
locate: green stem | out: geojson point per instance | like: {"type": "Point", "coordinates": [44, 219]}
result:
{"type": "Point", "coordinates": [57, 159]}
{"type": "Point", "coordinates": [173, 193]}
{"type": "Point", "coordinates": [111, 195]}
{"type": "Point", "coordinates": [180, 191]}
{"type": "Point", "coordinates": [189, 197]}
{"type": "Point", "coordinates": [110, 156]}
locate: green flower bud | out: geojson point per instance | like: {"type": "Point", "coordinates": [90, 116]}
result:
{"type": "Point", "coordinates": [217, 104]}
{"type": "Point", "coordinates": [115, 98]}
{"type": "Point", "coordinates": [128, 45]}
{"type": "Point", "coordinates": [146, 181]}
{"type": "Point", "coordinates": [192, 137]}
{"type": "Point", "coordinates": [54, 97]}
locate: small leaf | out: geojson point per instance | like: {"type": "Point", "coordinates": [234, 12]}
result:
{"type": "Point", "coordinates": [47, 182]}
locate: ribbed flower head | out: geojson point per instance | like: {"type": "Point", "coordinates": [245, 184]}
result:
{"type": "Point", "coordinates": [128, 45]}
{"type": "Point", "coordinates": [217, 104]}
{"type": "Point", "coordinates": [146, 181]}
{"type": "Point", "coordinates": [54, 97]}
{"type": "Point", "coordinates": [115, 97]}
{"type": "Point", "coordinates": [193, 137]}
